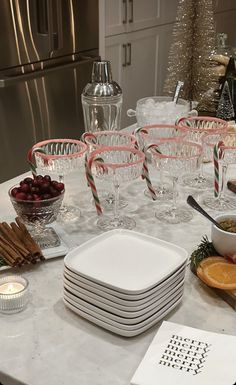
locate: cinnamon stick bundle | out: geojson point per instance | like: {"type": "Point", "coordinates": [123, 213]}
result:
{"type": "Point", "coordinates": [17, 247]}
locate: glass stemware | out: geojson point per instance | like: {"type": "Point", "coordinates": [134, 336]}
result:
{"type": "Point", "coordinates": [176, 157]}
{"type": "Point", "coordinates": [221, 201]}
{"type": "Point", "coordinates": [150, 135]}
{"type": "Point", "coordinates": [36, 215]}
{"type": "Point", "coordinates": [102, 139]}
{"type": "Point", "coordinates": [116, 165]}
{"type": "Point", "coordinates": [197, 127]}
{"type": "Point", "coordinates": [96, 140]}
{"type": "Point", "coordinates": [61, 156]}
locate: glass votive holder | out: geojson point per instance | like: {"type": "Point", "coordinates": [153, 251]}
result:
{"type": "Point", "coordinates": [14, 294]}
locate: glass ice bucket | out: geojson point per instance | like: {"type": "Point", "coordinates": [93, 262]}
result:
{"type": "Point", "coordinates": [159, 110]}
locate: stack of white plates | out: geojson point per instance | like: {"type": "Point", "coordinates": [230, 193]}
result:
{"type": "Point", "coordinates": [124, 281]}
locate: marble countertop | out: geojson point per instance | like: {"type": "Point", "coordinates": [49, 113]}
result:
{"type": "Point", "coordinates": [48, 344]}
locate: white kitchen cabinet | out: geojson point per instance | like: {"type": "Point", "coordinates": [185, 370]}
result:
{"type": "Point", "coordinates": [225, 19]}
{"type": "Point", "coordinates": [224, 5]}
{"type": "Point", "coordinates": [134, 58]}
{"type": "Point", "coordinates": [135, 32]}
{"type": "Point", "coordinates": [115, 17]}
{"type": "Point", "coordinates": [130, 15]}
{"type": "Point", "coordinates": [145, 27]}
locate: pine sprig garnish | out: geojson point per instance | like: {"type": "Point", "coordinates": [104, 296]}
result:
{"type": "Point", "coordinates": [205, 249]}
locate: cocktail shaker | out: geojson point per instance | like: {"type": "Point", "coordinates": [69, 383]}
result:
{"type": "Point", "coordinates": [102, 100]}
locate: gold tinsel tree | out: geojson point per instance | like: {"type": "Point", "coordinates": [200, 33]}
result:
{"type": "Point", "coordinates": [192, 45]}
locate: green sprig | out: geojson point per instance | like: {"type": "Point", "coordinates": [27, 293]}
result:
{"type": "Point", "coordinates": [205, 249]}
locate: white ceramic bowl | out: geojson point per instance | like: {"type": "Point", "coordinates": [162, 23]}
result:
{"type": "Point", "coordinates": [223, 241]}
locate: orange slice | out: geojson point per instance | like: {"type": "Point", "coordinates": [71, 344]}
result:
{"type": "Point", "coordinates": [221, 275]}
{"type": "Point", "coordinates": [206, 262]}
{"type": "Point", "coordinates": [209, 260]}
{"type": "Point", "coordinates": [200, 275]}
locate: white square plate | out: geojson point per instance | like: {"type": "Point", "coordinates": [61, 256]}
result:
{"type": "Point", "coordinates": [110, 313]}
{"type": "Point", "coordinates": [126, 261]}
{"type": "Point", "coordinates": [117, 295]}
{"type": "Point", "coordinates": [116, 303]}
{"type": "Point", "coordinates": [96, 319]}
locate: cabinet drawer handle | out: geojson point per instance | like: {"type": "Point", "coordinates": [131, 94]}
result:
{"type": "Point", "coordinates": [131, 7]}
{"type": "Point", "coordinates": [128, 62]}
{"type": "Point", "coordinates": [124, 11]}
{"type": "Point", "coordinates": [124, 64]}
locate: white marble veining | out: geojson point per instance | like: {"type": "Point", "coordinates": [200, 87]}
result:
{"type": "Point", "coordinates": [48, 344]}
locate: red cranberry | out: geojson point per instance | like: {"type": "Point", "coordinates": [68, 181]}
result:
{"type": "Point", "coordinates": [35, 183]}
{"type": "Point", "coordinates": [47, 178]}
{"type": "Point", "coordinates": [25, 188]}
{"type": "Point", "coordinates": [29, 197]}
{"type": "Point", "coordinates": [59, 186]}
{"type": "Point", "coordinates": [34, 190]}
{"type": "Point", "coordinates": [36, 197]}
{"type": "Point", "coordinates": [21, 196]}
{"type": "Point", "coordinates": [39, 179]}
{"type": "Point", "coordinates": [54, 192]}
{"type": "Point", "coordinates": [44, 187]}
{"type": "Point", "coordinates": [28, 180]}
{"type": "Point", "coordinates": [14, 191]}
{"type": "Point", "coordinates": [46, 196]}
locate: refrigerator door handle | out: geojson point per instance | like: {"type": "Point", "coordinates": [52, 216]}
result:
{"type": "Point", "coordinates": [59, 25]}
{"type": "Point", "coordinates": [50, 27]}
{"type": "Point", "coordinates": [6, 81]}
{"type": "Point", "coordinates": [55, 25]}
{"type": "Point", "coordinates": [42, 17]}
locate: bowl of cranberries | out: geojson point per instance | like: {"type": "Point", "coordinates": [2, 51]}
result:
{"type": "Point", "coordinates": [37, 199]}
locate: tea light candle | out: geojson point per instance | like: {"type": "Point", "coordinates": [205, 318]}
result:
{"type": "Point", "coordinates": [14, 294]}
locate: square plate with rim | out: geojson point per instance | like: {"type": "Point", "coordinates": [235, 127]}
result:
{"type": "Point", "coordinates": [85, 313]}
{"type": "Point", "coordinates": [120, 304]}
{"type": "Point", "coordinates": [126, 261]}
{"type": "Point", "coordinates": [124, 317]}
{"type": "Point", "coordinates": [118, 296]}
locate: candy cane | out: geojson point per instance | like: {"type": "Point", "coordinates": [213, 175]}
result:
{"type": "Point", "coordinates": [89, 135]}
{"type": "Point", "coordinates": [30, 156]}
{"type": "Point", "coordinates": [90, 179]}
{"type": "Point", "coordinates": [217, 155]}
{"type": "Point", "coordinates": [145, 173]}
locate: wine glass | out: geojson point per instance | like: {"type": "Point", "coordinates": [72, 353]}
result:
{"type": "Point", "coordinates": [197, 127]}
{"type": "Point", "coordinates": [176, 157]}
{"type": "Point", "coordinates": [61, 156]}
{"type": "Point", "coordinates": [150, 135]}
{"type": "Point", "coordinates": [116, 165]}
{"type": "Point", "coordinates": [101, 139]}
{"type": "Point", "coordinates": [227, 145]}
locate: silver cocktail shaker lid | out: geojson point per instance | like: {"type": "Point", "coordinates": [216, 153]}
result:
{"type": "Point", "coordinates": [101, 82]}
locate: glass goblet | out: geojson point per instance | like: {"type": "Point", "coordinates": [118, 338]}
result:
{"type": "Point", "coordinates": [196, 128]}
{"type": "Point", "coordinates": [36, 215]}
{"type": "Point", "coordinates": [116, 165]}
{"type": "Point", "coordinates": [102, 139]}
{"type": "Point", "coordinates": [221, 201]}
{"type": "Point", "coordinates": [150, 135]}
{"type": "Point", "coordinates": [61, 156]}
{"type": "Point", "coordinates": [176, 157]}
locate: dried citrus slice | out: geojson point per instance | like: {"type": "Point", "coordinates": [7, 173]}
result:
{"type": "Point", "coordinates": [200, 274]}
{"type": "Point", "coordinates": [209, 260]}
{"type": "Point", "coordinates": [221, 275]}
{"type": "Point", "coordinates": [206, 262]}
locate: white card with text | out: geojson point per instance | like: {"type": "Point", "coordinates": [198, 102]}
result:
{"type": "Point", "coordinates": [186, 356]}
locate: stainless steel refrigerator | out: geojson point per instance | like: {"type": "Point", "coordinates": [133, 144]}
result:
{"type": "Point", "coordinates": [47, 48]}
